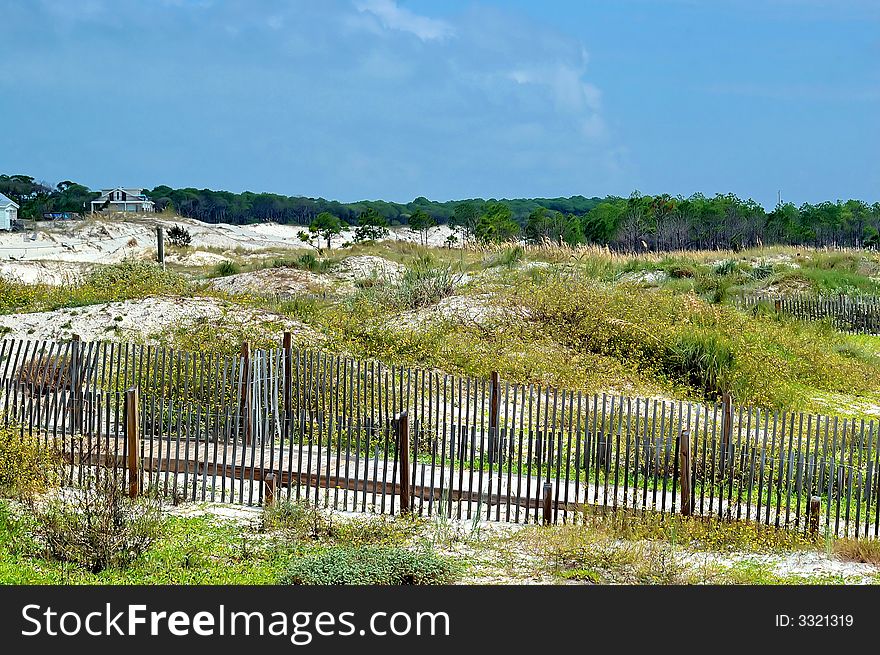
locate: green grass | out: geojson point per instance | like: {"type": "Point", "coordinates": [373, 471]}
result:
{"type": "Point", "coordinates": [572, 322]}
{"type": "Point", "coordinates": [210, 550]}
{"type": "Point", "coordinates": [123, 281]}
{"type": "Point", "coordinates": [191, 551]}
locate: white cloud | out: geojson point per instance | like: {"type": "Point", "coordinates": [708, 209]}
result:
{"type": "Point", "coordinates": [356, 98]}
{"type": "Point", "coordinates": [394, 17]}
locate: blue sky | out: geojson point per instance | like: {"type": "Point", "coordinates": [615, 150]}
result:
{"type": "Point", "coordinates": [354, 99]}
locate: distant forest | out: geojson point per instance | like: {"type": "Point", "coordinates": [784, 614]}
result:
{"type": "Point", "coordinates": [632, 224]}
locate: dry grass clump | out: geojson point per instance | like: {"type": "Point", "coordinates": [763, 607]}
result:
{"type": "Point", "coordinates": [858, 550]}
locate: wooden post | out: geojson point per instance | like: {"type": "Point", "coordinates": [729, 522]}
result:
{"type": "Point", "coordinates": [133, 437]}
{"type": "Point", "coordinates": [269, 498]}
{"type": "Point", "coordinates": [685, 472]}
{"type": "Point", "coordinates": [548, 503]}
{"type": "Point", "coordinates": [494, 404]}
{"type": "Point", "coordinates": [245, 392]}
{"type": "Point", "coordinates": [160, 245]}
{"type": "Point", "coordinates": [75, 385]}
{"type": "Point", "coordinates": [777, 305]}
{"type": "Point", "coordinates": [815, 503]}
{"type": "Point", "coordinates": [403, 458]}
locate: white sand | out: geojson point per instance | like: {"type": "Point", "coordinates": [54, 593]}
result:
{"type": "Point", "coordinates": [283, 282]}
{"type": "Point", "coordinates": [110, 239]}
{"type": "Point", "coordinates": [138, 319]}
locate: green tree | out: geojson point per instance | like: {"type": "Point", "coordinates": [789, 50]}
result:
{"type": "Point", "coordinates": [421, 221]}
{"type": "Point", "coordinates": [465, 217]}
{"type": "Point", "coordinates": [496, 224]}
{"type": "Point", "coordinates": [371, 226]}
{"type": "Point", "coordinates": [554, 226]}
{"type": "Point", "coordinates": [325, 226]}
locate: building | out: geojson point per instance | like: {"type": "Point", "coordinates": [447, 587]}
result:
{"type": "Point", "coordinates": [60, 216]}
{"type": "Point", "coordinates": [8, 212]}
{"type": "Point", "coordinates": [123, 200]}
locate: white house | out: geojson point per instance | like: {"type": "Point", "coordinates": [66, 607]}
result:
{"type": "Point", "coordinates": [123, 200]}
{"type": "Point", "coordinates": [8, 212]}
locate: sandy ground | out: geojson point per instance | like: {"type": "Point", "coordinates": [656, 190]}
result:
{"type": "Point", "coordinates": [138, 319]}
{"type": "Point", "coordinates": [283, 282]}
{"type": "Point", "coordinates": [365, 267]}
{"type": "Point", "coordinates": [480, 309]}
{"type": "Point", "coordinates": [43, 272]}
{"type": "Point", "coordinates": [107, 240]}
{"type": "Point", "coordinates": [807, 564]}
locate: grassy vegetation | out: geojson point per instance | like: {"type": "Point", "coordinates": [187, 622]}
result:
{"type": "Point", "coordinates": [584, 319]}
{"type": "Point", "coordinates": [123, 281]}
{"type": "Point", "coordinates": [301, 544]}
{"type": "Point", "coordinates": [279, 546]}
{"type": "Point", "coordinates": [26, 468]}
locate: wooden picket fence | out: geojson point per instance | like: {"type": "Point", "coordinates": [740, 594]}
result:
{"type": "Point", "coordinates": [855, 314]}
{"type": "Point", "coordinates": [361, 436]}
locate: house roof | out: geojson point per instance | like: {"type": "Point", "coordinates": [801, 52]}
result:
{"type": "Point", "coordinates": [130, 191]}
{"type": "Point", "coordinates": [5, 202]}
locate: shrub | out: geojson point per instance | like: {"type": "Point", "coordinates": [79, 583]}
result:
{"type": "Point", "coordinates": [299, 519]}
{"type": "Point", "coordinates": [421, 286]}
{"type": "Point", "coordinates": [46, 374]}
{"type": "Point", "coordinates": [302, 520]}
{"type": "Point", "coordinates": [858, 550]}
{"type": "Point", "coordinates": [131, 279]}
{"type": "Point", "coordinates": [762, 271]}
{"type": "Point", "coordinates": [725, 267]}
{"type": "Point", "coordinates": [309, 262]}
{"type": "Point", "coordinates": [98, 527]}
{"type": "Point", "coordinates": [26, 467]}
{"type": "Point", "coordinates": [179, 236]}
{"type": "Point", "coordinates": [226, 267]}
{"type": "Point", "coordinates": [703, 361]}
{"type": "Point", "coordinates": [370, 565]}
{"type": "Point", "coordinates": [508, 258]}
{"type": "Point", "coordinates": [679, 271]}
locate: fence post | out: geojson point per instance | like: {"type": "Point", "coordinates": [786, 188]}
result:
{"type": "Point", "coordinates": [403, 460]}
{"type": "Point", "coordinates": [160, 245]}
{"type": "Point", "coordinates": [287, 346]}
{"type": "Point", "coordinates": [245, 391]}
{"type": "Point", "coordinates": [133, 437]}
{"type": "Point", "coordinates": [75, 385]}
{"type": "Point", "coordinates": [548, 503]}
{"type": "Point", "coordinates": [685, 471]}
{"type": "Point", "coordinates": [494, 404]}
{"type": "Point", "coordinates": [815, 503]}
{"type": "Point", "coordinates": [269, 497]}
{"type": "Point", "coordinates": [726, 427]}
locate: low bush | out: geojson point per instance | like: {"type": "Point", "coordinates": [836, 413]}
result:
{"type": "Point", "coordinates": [858, 550]}
{"type": "Point", "coordinates": [225, 268]}
{"type": "Point", "coordinates": [370, 565]}
{"type": "Point", "coordinates": [725, 267]}
{"type": "Point", "coordinates": [421, 286]}
{"type": "Point", "coordinates": [299, 520]}
{"type": "Point", "coordinates": [302, 520]}
{"type": "Point", "coordinates": [113, 282]}
{"type": "Point", "coordinates": [179, 236]}
{"type": "Point", "coordinates": [45, 374]}
{"type": "Point", "coordinates": [98, 527]}
{"type": "Point", "coordinates": [507, 258]}
{"type": "Point", "coordinates": [703, 361]}
{"type": "Point", "coordinates": [27, 467]}
{"type": "Point", "coordinates": [131, 279]}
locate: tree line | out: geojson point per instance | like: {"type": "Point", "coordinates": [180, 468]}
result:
{"type": "Point", "coordinates": [632, 224]}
